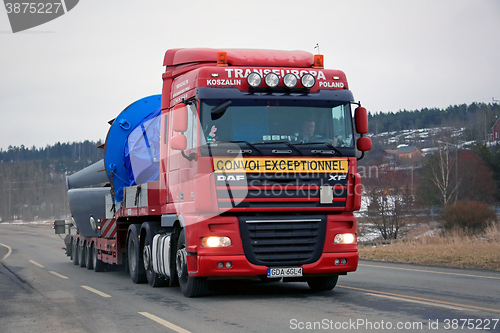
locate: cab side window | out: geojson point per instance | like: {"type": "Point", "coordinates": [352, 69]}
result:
{"type": "Point", "coordinates": [192, 127]}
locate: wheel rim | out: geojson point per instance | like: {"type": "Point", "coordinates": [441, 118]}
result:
{"type": "Point", "coordinates": [180, 264]}
{"type": "Point", "coordinates": [94, 255]}
{"type": "Point", "coordinates": [146, 257]}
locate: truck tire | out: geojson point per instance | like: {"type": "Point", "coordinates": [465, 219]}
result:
{"type": "Point", "coordinates": [190, 286]}
{"type": "Point", "coordinates": [69, 250]}
{"type": "Point", "coordinates": [75, 252]}
{"type": "Point", "coordinates": [154, 279]}
{"type": "Point", "coordinates": [134, 255]}
{"type": "Point", "coordinates": [88, 258]}
{"type": "Point", "coordinates": [99, 265]}
{"type": "Point", "coordinates": [322, 283]}
{"type": "Point", "coordinates": [81, 253]}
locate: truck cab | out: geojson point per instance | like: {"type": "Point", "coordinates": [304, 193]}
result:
{"type": "Point", "coordinates": [259, 164]}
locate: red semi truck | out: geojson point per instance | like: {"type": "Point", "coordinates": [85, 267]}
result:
{"type": "Point", "coordinates": [244, 167]}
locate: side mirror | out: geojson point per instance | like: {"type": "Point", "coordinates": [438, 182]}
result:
{"type": "Point", "coordinates": [364, 144]}
{"type": "Point", "coordinates": [178, 142]}
{"type": "Point", "coordinates": [180, 113]}
{"type": "Point", "coordinates": [361, 119]}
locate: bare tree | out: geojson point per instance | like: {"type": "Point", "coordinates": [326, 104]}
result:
{"type": "Point", "coordinates": [443, 173]}
{"type": "Point", "coordinates": [390, 203]}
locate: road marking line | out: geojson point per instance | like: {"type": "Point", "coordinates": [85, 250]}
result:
{"type": "Point", "coordinates": [421, 299]}
{"type": "Point", "coordinates": [58, 275]}
{"type": "Point", "coordinates": [95, 291]}
{"type": "Point", "coordinates": [35, 263]}
{"type": "Point", "coordinates": [8, 253]}
{"type": "Point", "coordinates": [164, 322]}
{"type": "Point", "coordinates": [437, 272]}
{"type": "Point", "coordinates": [419, 302]}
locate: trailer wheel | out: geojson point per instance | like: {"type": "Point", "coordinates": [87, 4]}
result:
{"type": "Point", "coordinates": [154, 279]}
{"type": "Point", "coordinates": [88, 257]}
{"type": "Point", "coordinates": [322, 283]}
{"type": "Point", "coordinates": [81, 253]}
{"type": "Point", "coordinates": [135, 263]}
{"type": "Point", "coordinates": [190, 286]}
{"type": "Point", "coordinates": [70, 249]}
{"type": "Point", "coordinates": [98, 264]}
{"type": "Point", "coordinates": [75, 252]}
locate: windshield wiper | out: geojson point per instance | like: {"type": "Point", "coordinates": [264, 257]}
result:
{"type": "Point", "coordinates": [327, 152]}
{"type": "Point", "coordinates": [279, 151]}
{"type": "Point", "coordinates": [249, 145]}
{"type": "Point", "coordinates": [321, 151]}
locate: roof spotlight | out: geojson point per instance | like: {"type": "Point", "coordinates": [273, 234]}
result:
{"type": "Point", "coordinates": [272, 80]}
{"type": "Point", "coordinates": [290, 80]}
{"type": "Point", "coordinates": [308, 80]}
{"type": "Point", "coordinates": [254, 80]}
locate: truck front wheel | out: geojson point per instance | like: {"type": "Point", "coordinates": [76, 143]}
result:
{"type": "Point", "coordinates": [190, 286]}
{"type": "Point", "coordinates": [322, 283]}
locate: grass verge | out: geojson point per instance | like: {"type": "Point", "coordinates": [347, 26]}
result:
{"type": "Point", "coordinates": [452, 249]}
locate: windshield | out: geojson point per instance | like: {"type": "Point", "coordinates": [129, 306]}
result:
{"type": "Point", "coordinates": [267, 121]}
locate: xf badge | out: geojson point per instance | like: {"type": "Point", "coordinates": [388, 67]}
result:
{"type": "Point", "coordinates": [337, 177]}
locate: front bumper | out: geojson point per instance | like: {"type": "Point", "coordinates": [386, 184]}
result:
{"type": "Point", "coordinates": [207, 266]}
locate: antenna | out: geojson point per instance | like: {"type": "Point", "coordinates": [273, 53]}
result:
{"type": "Point", "coordinates": [317, 47]}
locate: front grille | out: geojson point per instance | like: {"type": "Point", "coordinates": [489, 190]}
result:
{"type": "Point", "coordinates": [279, 190]}
{"type": "Point", "coordinates": [284, 240]}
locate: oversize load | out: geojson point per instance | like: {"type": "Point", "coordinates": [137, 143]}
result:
{"type": "Point", "coordinates": [292, 165]}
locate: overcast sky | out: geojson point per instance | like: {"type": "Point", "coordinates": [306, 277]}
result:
{"type": "Point", "coordinates": [62, 81]}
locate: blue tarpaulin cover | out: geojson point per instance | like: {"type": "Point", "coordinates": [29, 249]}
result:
{"type": "Point", "coordinates": [142, 150]}
{"type": "Point", "coordinates": [131, 153]}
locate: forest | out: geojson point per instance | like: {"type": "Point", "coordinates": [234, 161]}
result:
{"type": "Point", "coordinates": [33, 181]}
{"type": "Point", "coordinates": [476, 118]}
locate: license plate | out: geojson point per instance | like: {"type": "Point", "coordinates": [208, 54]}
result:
{"type": "Point", "coordinates": [284, 272]}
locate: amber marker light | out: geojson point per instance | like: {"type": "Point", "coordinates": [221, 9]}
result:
{"type": "Point", "coordinates": [222, 59]}
{"type": "Point", "coordinates": [318, 61]}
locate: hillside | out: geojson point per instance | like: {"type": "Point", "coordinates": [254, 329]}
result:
{"type": "Point", "coordinates": [33, 181]}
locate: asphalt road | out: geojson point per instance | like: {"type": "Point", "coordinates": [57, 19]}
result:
{"type": "Point", "coordinates": [42, 291]}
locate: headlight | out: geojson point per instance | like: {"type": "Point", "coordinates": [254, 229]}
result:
{"type": "Point", "coordinates": [344, 239]}
{"type": "Point", "coordinates": [214, 241]}
{"type": "Point", "coordinates": [308, 80]}
{"type": "Point", "coordinates": [254, 80]}
{"type": "Point", "coordinates": [272, 80]}
{"type": "Point", "coordinates": [290, 80]}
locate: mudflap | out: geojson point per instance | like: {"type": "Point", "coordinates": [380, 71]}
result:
{"type": "Point", "coordinates": [67, 245]}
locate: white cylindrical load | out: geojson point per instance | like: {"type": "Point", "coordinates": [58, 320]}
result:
{"type": "Point", "coordinates": [85, 203]}
{"type": "Point", "coordinates": [92, 175]}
